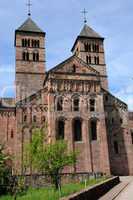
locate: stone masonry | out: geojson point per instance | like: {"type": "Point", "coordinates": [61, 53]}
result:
{"type": "Point", "coordinates": [73, 98]}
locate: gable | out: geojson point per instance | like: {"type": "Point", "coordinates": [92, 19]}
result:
{"type": "Point", "coordinates": [74, 65]}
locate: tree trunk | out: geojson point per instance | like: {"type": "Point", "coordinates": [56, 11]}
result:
{"type": "Point", "coordinates": [56, 181]}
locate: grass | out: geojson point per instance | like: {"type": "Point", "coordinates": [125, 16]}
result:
{"type": "Point", "coordinates": [51, 194]}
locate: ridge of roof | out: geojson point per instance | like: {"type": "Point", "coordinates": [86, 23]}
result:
{"type": "Point", "coordinates": [30, 26]}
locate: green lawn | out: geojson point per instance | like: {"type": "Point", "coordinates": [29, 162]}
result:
{"type": "Point", "coordinates": [51, 194]}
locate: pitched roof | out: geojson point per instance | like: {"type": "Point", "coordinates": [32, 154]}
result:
{"type": "Point", "coordinates": [89, 32]}
{"type": "Point", "coordinates": [30, 26]}
{"type": "Point", "coordinates": [69, 59]}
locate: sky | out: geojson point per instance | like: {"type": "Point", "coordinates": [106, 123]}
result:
{"type": "Point", "coordinates": [62, 21]}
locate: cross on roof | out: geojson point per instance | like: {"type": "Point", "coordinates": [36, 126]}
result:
{"type": "Point", "coordinates": [29, 7]}
{"type": "Point", "coordinates": [84, 12]}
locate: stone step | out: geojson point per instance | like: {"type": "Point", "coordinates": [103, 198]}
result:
{"type": "Point", "coordinates": [114, 192]}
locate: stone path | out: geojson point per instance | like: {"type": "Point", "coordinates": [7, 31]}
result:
{"type": "Point", "coordinates": [127, 193]}
{"type": "Point", "coordinates": [123, 191]}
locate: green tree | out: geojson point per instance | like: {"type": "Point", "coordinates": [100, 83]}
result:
{"type": "Point", "coordinates": [5, 171]}
{"type": "Point", "coordinates": [49, 158]}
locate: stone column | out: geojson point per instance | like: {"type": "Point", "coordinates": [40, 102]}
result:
{"type": "Point", "coordinates": [104, 151]}
{"type": "Point", "coordinates": [69, 139]}
{"type": "Point", "coordinates": [87, 145]}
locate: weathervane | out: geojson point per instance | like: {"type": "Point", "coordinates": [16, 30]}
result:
{"type": "Point", "coordinates": [84, 12]}
{"type": "Point", "coordinates": [29, 7]}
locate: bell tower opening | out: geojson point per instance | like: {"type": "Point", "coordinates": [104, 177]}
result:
{"type": "Point", "coordinates": [89, 46]}
{"type": "Point", "coordinates": [30, 59]}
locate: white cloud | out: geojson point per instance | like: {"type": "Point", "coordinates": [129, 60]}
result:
{"type": "Point", "coordinates": [126, 94]}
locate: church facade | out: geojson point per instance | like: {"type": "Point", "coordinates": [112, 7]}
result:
{"type": "Point", "coordinates": [73, 98]}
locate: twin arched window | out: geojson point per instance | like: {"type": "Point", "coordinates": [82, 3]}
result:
{"type": "Point", "coordinates": [25, 56]}
{"type": "Point", "coordinates": [96, 60]}
{"type": "Point", "coordinates": [35, 43]}
{"type": "Point", "coordinates": [87, 47]}
{"type": "Point", "coordinates": [95, 48]}
{"type": "Point", "coordinates": [30, 43]}
{"type": "Point", "coordinates": [25, 42]}
{"type": "Point", "coordinates": [91, 47]}
{"type": "Point", "coordinates": [88, 59]}
{"type": "Point", "coordinates": [35, 56]}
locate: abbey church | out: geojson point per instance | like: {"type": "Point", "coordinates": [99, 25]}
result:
{"type": "Point", "coordinates": [73, 98]}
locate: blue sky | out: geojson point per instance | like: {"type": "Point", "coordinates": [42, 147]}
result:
{"type": "Point", "coordinates": [62, 21]}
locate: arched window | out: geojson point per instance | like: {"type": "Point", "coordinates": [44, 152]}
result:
{"type": "Point", "coordinates": [24, 56]}
{"type": "Point", "coordinates": [38, 43]}
{"type": "Point", "coordinates": [43, 119]}
{"type": "Point", "coordinates": [93, 129]}
{"type": "Point", "coordinates": [60, 104]}
{"type": "Point", "coordinates": [77, 130]}
{"type": "Point", "coordinates": [94, 48]}
{"type": "Point", "coordinates": [33, 43]}
{"type": "Point", "coordinates": [121, 120]}
{"type": "Point", "coordinates": [116, 147]}
{"type": "Point", "coordinates": [60, 129]}
{"type": "Point", "coordinates": [96, 60]}
{"type": "Point", "coordinates": [89, 47]}
{"type": "Point", "coordinates": [112, 120]}
{"type": "Point", "coordinates": [28, 42]}
{"type": "Point", "coordinates": [92, 105]}
{"type": "Point", "coordinates": [27, 56]}
{"type": "Point", "coordinates": [76, 104]}
{"type": "Point", "coordinates": [132, 137]}
{"type": "Point", "coordinates": [23, 43]}
{"type": "Point", "coordinates": [34, 118]}
{"type": "Point", "coordinates": [87, 59]}
{"type": "Point", "coordinates": [73, 68]}
{"type": "Point", "coordinates": [97, 48]}
{"type": "Point", "coordinates": [86, 46]}
{"type": "Point", "coordinates": [35, 56]}
{"type": "Point", "coordinates": [25, 118]}
{"type": "Point", "coordinates": [12, 134]}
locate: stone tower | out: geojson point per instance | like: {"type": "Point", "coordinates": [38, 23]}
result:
{"type": "Point", "coordinates": [89, 46]}
{"type": "Point", "coordinates": [30, 59]}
